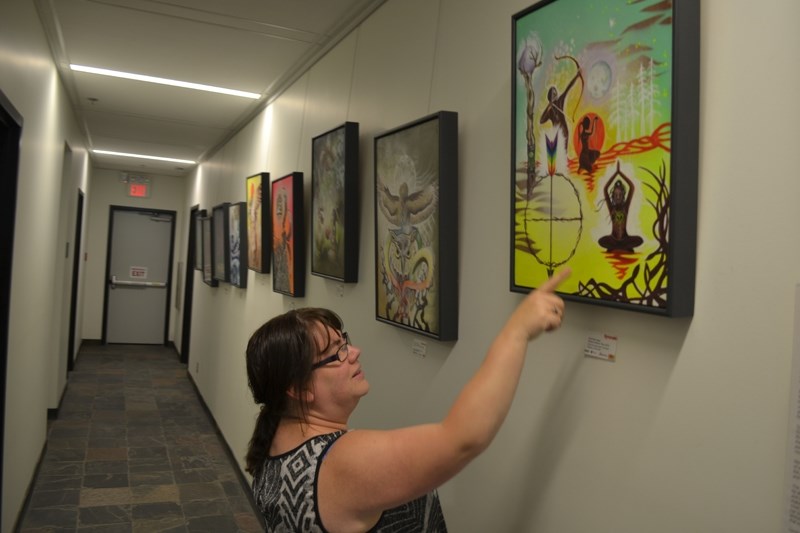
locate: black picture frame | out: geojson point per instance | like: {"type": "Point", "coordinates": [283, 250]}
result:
{"type": "Point", "coordinates": [335, 204]}
{"type": "Point", "coordinates": [220, 246]}
{"type": "Point", "coordinates": [237, 235]}
{"type": "Point", "coordinates": [208, 252]}
{"type": "Point", "coordinates": [416, 226]}
{"type": "Point", "coordinates": [198, 238]}
{"type": "Point", "coordinates": [604, 158]}
{"type": "Point", "coordinates": [288, 235]}
{"type": "Point", "coordinates": [259, 228]}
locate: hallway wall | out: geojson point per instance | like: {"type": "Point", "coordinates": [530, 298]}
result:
{"type": "Point", "coordinates": [687, 431]}
{"type": "Point", "coordinates": [37, 354]}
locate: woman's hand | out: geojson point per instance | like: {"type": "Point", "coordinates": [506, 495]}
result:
{"type": "Point", "coordinates": [542, 310]}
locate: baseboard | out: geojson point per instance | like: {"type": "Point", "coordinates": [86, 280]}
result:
{"type": "Point", "coordinates": [52, 414]}
{"type": "Point", "coordinates": [29, 492]}
{"type": "Point", "coordinates": [248, 490]}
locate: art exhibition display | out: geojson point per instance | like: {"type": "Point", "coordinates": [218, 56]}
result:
{"type": "Point", "coordinates": [208, 257]}
{"type": "Point", "coordinates": [197, 218]}
{"type": "Point", "coordinates": [604, 151]}
{"type": "Point", "coordinates": [416, 226]}
{"type": "Point", "coordinates": [220, 246]}
{"type": "Point", "coordinates": [259, 234]}
{"type": "Point", "coordinates": [335, 204]}
{"type": "Point", "coordinates": [288, 237]}
{"type": "Point", "coordinates": [237, 234]}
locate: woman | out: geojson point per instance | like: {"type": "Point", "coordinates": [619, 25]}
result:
{"type": "Point", "coordinates": [313, 474]}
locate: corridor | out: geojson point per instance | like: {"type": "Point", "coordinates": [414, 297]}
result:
{"type": "Point", "coordinates": [134, 450]}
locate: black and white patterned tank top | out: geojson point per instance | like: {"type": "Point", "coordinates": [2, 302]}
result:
{"type": "Point", "coordinates": [285, 491]}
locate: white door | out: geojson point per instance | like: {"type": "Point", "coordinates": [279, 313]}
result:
{"type": "Point", "coordinates": [138, 285]}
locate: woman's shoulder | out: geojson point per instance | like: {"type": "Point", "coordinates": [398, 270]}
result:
{"type": "Point", "coordinates": [289, 446]}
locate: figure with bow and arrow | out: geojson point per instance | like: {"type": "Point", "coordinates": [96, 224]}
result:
{"type": "Point", "coordinates": [554, 112]}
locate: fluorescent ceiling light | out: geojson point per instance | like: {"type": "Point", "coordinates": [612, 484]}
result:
{"type": "Point", "coordinates": [141, 156]}
{"type": "Point", "coordinates": [164, 81]}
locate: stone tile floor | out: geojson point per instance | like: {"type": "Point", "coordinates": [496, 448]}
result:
{"type": "Point", "coordinates": [134, 450]}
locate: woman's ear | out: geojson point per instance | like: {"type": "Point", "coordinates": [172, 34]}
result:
{"type": "Point", "coordinates": [305, 394]}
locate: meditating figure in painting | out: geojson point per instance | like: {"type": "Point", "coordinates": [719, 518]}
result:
{"type": "Point", "coordinates": [618, 201]}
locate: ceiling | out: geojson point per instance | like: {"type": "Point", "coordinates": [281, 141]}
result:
{"type": "Point", "coordinates": [259, 46]}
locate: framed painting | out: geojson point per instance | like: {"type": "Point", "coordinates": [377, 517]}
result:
{"type": "Point", "coordinates": [335, 204]}
{"type": "Point", "coordinates": [208, 256]}
{"type": "Point", "coordinates": [237, 234]}
{"type": "Point", "coordinates": [259, 235]}
{"type": "Point", "coordinates": [220, 246]}
{"type": "Point", "coordinates": [416, 226]}
{"type": "Point", "coordinates": [288, 243]}
{"type": "Point", "coordinates": [604, 138]}
{"type": "Point", "coordinates": [198, 238]}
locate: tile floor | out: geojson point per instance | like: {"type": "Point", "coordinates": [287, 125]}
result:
{"type": "Point", "coordinates": [134, 450]}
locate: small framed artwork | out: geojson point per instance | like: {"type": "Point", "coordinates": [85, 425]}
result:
{"type": "Point", "coordinates": [288, 243]}
{"type": "Point", "coordinates": [259, 234]}
{"type": "Point", "coordinates": [208, 256]}
{"type": "Point", "coordinates": [604, 137]}
{"type": "Point", "coordinates": [221, 247]}
{"type": "Point", "coordinates": [198, 238]}
{"type": "Point", "coordinates": [416, 226]}
{"type": "Point", "coordinates": [237, 234]}
{"type": "Point", "coordinates": [334, 204]}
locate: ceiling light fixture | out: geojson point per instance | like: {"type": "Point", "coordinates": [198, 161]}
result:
{"type": "Point", "coordinates": [142, 156]}
{"type": "Point", "coordinates": [164, 81]}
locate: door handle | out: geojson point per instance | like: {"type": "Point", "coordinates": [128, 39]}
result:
{"type": "Point", "coordinates": [153, 284]}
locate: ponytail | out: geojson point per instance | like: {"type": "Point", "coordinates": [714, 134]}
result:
{"type": "Point", "coordinates": [258, 449]}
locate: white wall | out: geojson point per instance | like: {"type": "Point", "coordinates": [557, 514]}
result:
{"type": "Point", "coordinates": [166, 192]}
{"type": "Point", "coordinates": [36, 369]}
{"type": "Point", "coordinates": [687, 430]}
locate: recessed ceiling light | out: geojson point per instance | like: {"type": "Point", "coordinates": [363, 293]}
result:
{"type": "Point", "coordinates": [164, 81]}
{"type": "Point", "coordinates": [142, 156]}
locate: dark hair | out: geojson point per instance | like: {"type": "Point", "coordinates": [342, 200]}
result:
{"type": "Point", "coordinates": [279, 358]}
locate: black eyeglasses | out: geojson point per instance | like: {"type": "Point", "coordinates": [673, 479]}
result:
{"type": "Point", "coordinates": [341, 354]}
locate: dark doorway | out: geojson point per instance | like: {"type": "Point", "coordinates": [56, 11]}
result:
{"type": "Point", "coordinates": [10, 133]}
{"type": "Point", "coordinates": [188, 289]}
{"type": "Point", "coordinates": [76, 263]}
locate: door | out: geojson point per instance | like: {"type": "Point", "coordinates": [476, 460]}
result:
{"type": "Point", "coordinates": [139, 274]}
{"type": "Point", "coordinates": [10, 134]}
{"type": "Point", "coordinates": [76, 268]}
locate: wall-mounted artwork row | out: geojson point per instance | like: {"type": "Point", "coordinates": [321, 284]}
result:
{"type": "Point", "coordinates": [416, 226]}
{"type": "Point", "coordinates": [335, 204]}
{"type": "Point", "coordinates": [208, 256]}
{"type": "Point", "coordinates": [288, 236]}
{"type": "Point", "coordinates": [198, 238]}
{"type": "Point", "coordinates": [220, 246]}
{"type": "Point", "coordinates": [259, 234]}
{"type": "Point", "coordinates": [237, 235]}
{"type": "Point", "coordinates": [604, 151]}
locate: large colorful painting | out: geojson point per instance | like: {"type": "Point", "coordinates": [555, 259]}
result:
{"type": "Point", "coordinates": [259, 234]}
{"type": "Point", "coordinates": [288, 237]}
{"type": "Point", "coordinates": [416, 218]}
{"type": "Point", "coordinates": [334, 204]}
{"type": "Point", "coordinates": [604, 151]}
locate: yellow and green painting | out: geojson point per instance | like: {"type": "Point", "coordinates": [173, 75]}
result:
{"type": "Point", "coordinates": [591, 150]}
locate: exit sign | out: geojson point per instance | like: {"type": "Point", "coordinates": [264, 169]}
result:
{"type": "Point", "coordinates": [138, 186]}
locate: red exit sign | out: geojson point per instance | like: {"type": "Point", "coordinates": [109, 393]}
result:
{"type": "Point", "coordinates": [139, 190]}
